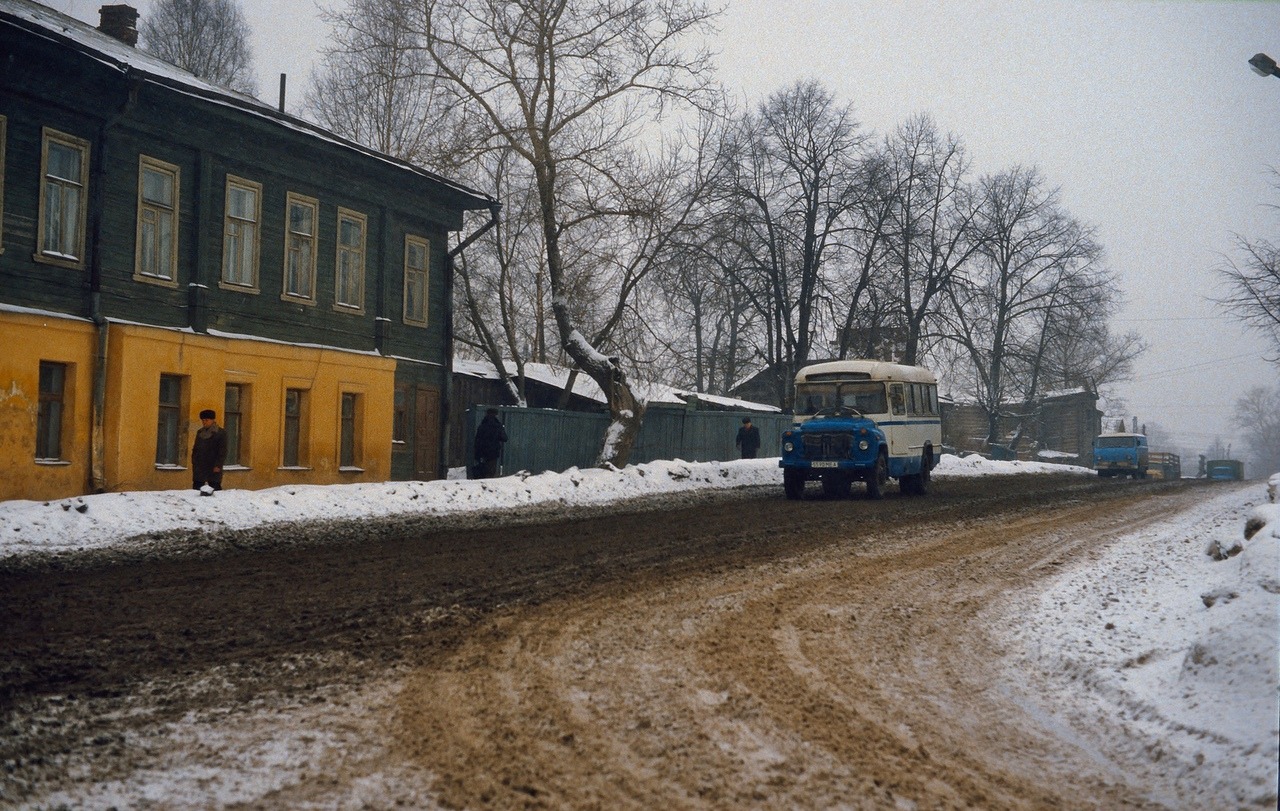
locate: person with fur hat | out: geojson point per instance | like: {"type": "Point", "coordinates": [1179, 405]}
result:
{"type": "Point", "coordinates": [209, 453]}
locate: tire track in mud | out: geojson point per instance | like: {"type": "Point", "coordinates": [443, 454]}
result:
{"type": "Point", "coordinates": [856, 674]}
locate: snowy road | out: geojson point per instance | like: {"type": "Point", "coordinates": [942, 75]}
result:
{"type": "Point", "coordinates": [727, 651]}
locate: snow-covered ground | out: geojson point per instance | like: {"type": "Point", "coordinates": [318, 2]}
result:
{"type": "Point", "coordinates": [1175, 630]}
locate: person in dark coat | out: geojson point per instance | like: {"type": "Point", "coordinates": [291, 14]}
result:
{"type": "Point", "coordinates": [489, 438]}
{"type": "Point", "coordinates": [748, 439]}
{"type": "Point", "coordinates": [209, 453]}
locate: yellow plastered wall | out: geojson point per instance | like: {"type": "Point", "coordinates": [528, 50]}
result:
{"type": "Point", "coordinates": [26, 339]}
{"type": "Point", "coordinates": [138, 355]}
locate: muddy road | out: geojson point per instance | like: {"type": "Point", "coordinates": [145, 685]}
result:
{"type": "Point", "coordinates": [723, 651]}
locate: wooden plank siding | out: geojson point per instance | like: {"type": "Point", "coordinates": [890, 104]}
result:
{"type": "Point", "coordinates": [62, 75]}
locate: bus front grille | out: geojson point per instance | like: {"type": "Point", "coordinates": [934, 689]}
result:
{"type": "Point", "coordinates": [821, 447]}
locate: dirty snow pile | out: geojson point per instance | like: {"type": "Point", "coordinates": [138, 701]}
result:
{"type": "Point", "coordinates": [1166, 647]}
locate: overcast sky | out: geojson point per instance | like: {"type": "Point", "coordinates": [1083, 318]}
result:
{"type": "Point", "coordinates": [1146, 115]}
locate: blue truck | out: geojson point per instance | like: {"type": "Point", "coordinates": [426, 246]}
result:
{"type": "Point", "coordinates": [1224, 470]}
{"type": "Point", "coordinates": [1121, 454]}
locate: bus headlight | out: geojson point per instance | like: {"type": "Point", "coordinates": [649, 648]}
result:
{"type": "Point", "coordinates": [863, 445]}
{"type": "Point", "coordinates": [788, 447]}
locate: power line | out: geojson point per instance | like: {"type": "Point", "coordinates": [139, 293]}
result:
{"type": "Point", "coordinates": [1164, 372]}
{"type": "Point", "coordinates": [1178, 318]}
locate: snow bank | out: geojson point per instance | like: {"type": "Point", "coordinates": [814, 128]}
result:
{"type": "Point", "coordinates": [1172, 652]}
{"type": "Point", "coordinates": [94, 522]}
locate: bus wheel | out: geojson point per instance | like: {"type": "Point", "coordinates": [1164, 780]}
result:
{"type": "Point", "coordinates": [879, 477]}
{"type": "Point", "coordinates": [922, 481]}
{"type": "Point", "coordinates": [793, 483]}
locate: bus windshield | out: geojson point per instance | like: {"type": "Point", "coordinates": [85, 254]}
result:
{"type": "Point", "coordinates": [865, 396]}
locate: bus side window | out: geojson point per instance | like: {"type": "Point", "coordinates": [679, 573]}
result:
{"type": "Point", "coordinates": [933, 399]}
{"type": "Point", "coordinates": [897, 399]}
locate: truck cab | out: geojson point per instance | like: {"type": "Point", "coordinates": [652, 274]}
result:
{"type": "Point", "coordinates": [1121, 454]}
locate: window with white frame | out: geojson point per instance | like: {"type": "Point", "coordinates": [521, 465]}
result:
{"type": "Point", "coordinates": [240, 230]}
{"type": "Point", "coordinates": [349, 274]}
{"type": "Point", "coordinates": [301, 215]}
{"type": "Point", "coordinates": [417, 252]}
{"type": "Point", "coordinates": [157, 259]}
{"type": "Point", "coordinates": [64, 169]}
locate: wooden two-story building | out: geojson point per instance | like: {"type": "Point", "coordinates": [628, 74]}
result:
{"type": "Point", "coordinates": [168, 246]}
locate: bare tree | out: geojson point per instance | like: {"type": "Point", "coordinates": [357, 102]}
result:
{"type": "Point", "coordinates": [502, 279]}
{"type": "Point", "coordinates": [1035, 264]}
{"type": "Point", "coordinates": [1258, 416]}
{"type": "Point", "coordinates": [794, 170]}
{"type": "Point", "coordinates": [932, 234]}
{"type": "Point", "coordinates": [210, 38]}
{"type": "Point", "coordinates": [861, 294]}
{"type": "Point", "coordinates": [1252, 280]}
{"type": "Point", "coordinates": [375, 86]}
{"type": "Point", "coordinates": [568, 86]}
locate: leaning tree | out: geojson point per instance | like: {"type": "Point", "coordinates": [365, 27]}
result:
{"type": "Point", "coordinates": [570, 86]}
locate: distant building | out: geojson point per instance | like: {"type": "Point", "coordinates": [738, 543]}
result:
{"type": "Point", "coordinates": [168, 246]}
{"type": "Point", "coordinates": [1058, 427]}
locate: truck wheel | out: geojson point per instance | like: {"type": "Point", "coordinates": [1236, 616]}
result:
{"type": "Point", "coordinates": [793, 483]}
{"type": "Point", "coordinates": [879, 477]}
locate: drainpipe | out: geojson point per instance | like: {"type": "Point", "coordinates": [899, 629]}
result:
{"type": "Point", "coordinates": [97, 431]}
{"type": "Point", "coordinates": [447, 396]}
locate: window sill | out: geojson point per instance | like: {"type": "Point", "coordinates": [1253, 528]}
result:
{"type": "Point", "coordinates": [159, 281]}
{"type": "Point", "coordinates": [53, 462]}
{"type": "Point", "coordinates": [251, 289]}
{"type": "Point", "coordinates": [171, 467]}
{"type": "Point", "coordinates": [235, 468]}
{"type": "Point", "coordinates": [302, 468]}
{"type": "Point", "coordinates": [351, 469]}
{"type": "Point", "coordinates": [60, 259]}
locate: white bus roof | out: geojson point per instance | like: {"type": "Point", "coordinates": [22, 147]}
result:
{"type": "Point", "coordinates": [872, 369]}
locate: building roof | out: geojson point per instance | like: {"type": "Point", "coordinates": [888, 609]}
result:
{"type": "Point", "coordinates": [583, 386]}
{"type": "Point", "coordinates": [60, 29]}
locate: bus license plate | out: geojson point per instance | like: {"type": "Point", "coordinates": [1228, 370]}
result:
{"type": "Point", "coordinates": [826, 464]}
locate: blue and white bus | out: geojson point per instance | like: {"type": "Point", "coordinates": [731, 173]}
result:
{"type": "Point", "coordinates": [862, 420]}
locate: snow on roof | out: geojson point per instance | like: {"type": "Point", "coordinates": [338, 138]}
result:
{"type": "Point", "coordinates": [62, 29]}
{"type": "Point", "coordinates": [583, 386]}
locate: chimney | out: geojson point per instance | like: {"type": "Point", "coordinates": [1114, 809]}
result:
{"type": "Point", "coordinates": [120, 22]}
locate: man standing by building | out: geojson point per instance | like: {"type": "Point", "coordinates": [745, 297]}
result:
{"type": "Point", "coordinates": [209, 453]}
{"type": "Point", "coordinates": [489, 438]}
{"type": "Point", "coordinates": [748, 439]}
